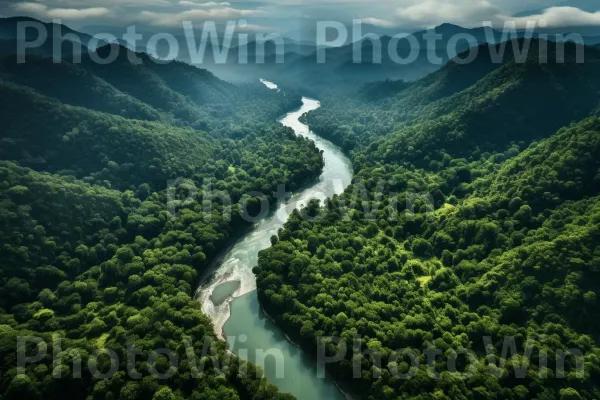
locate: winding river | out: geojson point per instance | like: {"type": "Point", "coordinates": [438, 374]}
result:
{"type": "Point", "coordinates": [229, 296]}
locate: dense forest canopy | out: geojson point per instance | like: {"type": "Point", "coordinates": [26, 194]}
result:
{"type": "Point", "coordinates": [111, 209]}
{"type": "Point", "coordinates": [472, 221]}
{"type": "Point", "coordinates": [471, 226]}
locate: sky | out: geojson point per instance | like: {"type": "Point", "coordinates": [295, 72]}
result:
{"type": "Point", "coordinates": [283, 16]}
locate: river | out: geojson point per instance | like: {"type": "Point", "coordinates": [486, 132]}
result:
{"type": "Point", "coordinates": [229, 296]}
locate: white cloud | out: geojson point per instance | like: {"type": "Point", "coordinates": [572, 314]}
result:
{"type": "Point", "coordinates": [203, 5]}
{"type": "Point", "coordinates": [256, 28]}
{"type": "Point", "coordinates": [472, 13]}
{"type": "Point", "coordinates": [563, 17]}
{"type": "Point", "coordinates": [35, 8]}
{"type": "Point", "coordinates": [382, 23]}
{"type": "Point", "coordinates": [44, 11]}
{"type": "Point", "coordinates": [404, 14]}
{"type": "Point", "coordinates": [434, 12]}
{"type": "Point", "coordinates": [174, 19]}
{"type": "Point", "coordinates": [115, 3]}
{"type": "Point", "coordinates": [462, 11]}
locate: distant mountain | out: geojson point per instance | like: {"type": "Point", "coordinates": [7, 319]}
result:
{"type": "Point", "coordinates": [240, 63]}
{"type": "Point", "coordinates": [250, 62]}
{"type": "Point", "coordinates": [591, 40]}
{"type": "Point", "coordinates": [476, 107]}
{"type": "Point", "coordinates": [298, 62]}
{"type": "Point", "coordinates": [73, 42]}
{"type": "Point", "coordinates": [9, 29]}
{"type": "Point", "coordinates": [340, 66]}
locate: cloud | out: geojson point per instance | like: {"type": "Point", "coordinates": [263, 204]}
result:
{"type": "Point", "coordinates": [558, 17]}
{"type": "Point", "coordinates": [472, 13]}
{"type": "Point", "coordinates": [174, 19]}
{"type": "Point", "coordinates": [463, 11]}
{"type": "Point", "coordinates": [256, 28]}
{"type": "Point", "coordinates": [115, 3]}
{"type": "Point", "coordinates": [382, 23]}
{"type": "Point", "coordinates": [44, 11]}
{"type": "Point", "coordinates": [291, 15]}
{"type": "Point", "coordinates": [203, 5]}
{"type": "Point", "coordinates": [434, 12]}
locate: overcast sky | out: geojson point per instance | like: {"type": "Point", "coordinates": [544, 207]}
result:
{"type": "Point", "coordinates": [286, 15]}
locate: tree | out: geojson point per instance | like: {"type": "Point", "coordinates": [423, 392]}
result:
{"type": "Point", "coordinates": [422, 248]}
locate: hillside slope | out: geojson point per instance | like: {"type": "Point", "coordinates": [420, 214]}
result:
{"type": "Point", "coordinates": [471, 224]}
{"type": "Point", "coordinates": [113, 203]}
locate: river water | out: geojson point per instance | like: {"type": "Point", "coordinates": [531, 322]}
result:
{"type": "Point", "coordinates": [229, 296]}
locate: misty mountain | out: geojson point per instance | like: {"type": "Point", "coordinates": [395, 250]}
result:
{"type": "Point", "coordinates": [360, 61]}
{"type": "Point", "coordinates": [56, 39]}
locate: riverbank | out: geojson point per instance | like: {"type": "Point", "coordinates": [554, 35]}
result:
{"type": "Point", "coordinates": [346, 395]}
{"type": "Point", "coordinates": [252, 334]}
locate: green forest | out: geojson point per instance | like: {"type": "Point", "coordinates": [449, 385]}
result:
{"type": "Point", "coordinates": [474, 213]}
{"type": "Point", "coordinates": [462, 262]}
{"type": "Point", "coordinates": [93, 254]}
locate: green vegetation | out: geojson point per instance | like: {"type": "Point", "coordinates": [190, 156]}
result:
{"type": "Point", "coordinates": [474, 213]}
{"type": "Point", "coordinates": [99, 250]}
{"type": "Point", "coordinates": [473, 218]}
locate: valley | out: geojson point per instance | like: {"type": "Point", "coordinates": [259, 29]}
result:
{"type": "Point", "coordinates": [241, 316]}
{"type": "Point", "coordinates": [393, 231]}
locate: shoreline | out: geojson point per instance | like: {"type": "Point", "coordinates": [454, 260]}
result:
{"type": "Point", "coordinates": [219, 331]}
{"type": "Point", "coordinates": [223, 313]}
{"type": "Point", "coordinates": [222, 336]}
{"type": "Point", "coordinates": [228, 301]}
{"type": "Point", "coordinates": [262, 309]}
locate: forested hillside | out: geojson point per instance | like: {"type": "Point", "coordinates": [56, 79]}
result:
{"type": "Point", "coordinates": [474, 214]}
{"type": "Point", "coordinates": [111, 190]}
{"type": "Point", "coordinates": [472, 223]}
{"type": "Point", "coordinates": [461, 109]}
